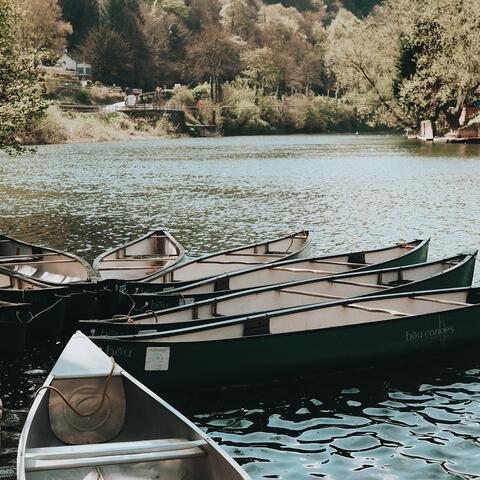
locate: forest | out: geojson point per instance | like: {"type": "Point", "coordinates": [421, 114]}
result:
{"type": "Point", "coordinates": [266, 66]}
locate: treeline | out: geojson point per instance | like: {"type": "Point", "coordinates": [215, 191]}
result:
{"type": "Point", "coordinates": [259, 65]}
{"type": "Point", "coordinates": [277, 47]}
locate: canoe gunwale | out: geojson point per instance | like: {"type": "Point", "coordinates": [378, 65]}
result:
{"type": "Point", "coordinates": [467, 258]}
{"type": "Point", "coordinates": [203, 258]}
{"type": "Point", "coordinates": [141, 337]}
{"type": "Point", "coordinates": [171, 289]}
{"type": "Point", "coordinates": [194, 434]}
{"type": "Point", "coordinates": [91, 275]}
{"type": "Point", "coordinates": [97, 263]}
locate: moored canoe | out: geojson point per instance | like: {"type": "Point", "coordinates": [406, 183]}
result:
{"type": "Point", "coordinates": [302, 341]}
{"type": "Point", "coordinates": [109, 426]}
{"type": "Point", "coordinates": [456, 271]}
{"type": "Point", "coordinates": [289, 246]}
{"type": "Point", "coordinates": [14, 318]}
{"type": "Point", "coordinates": [46, 265]}
{"type": "Point", "coordinates": [400, 254]}
{"type": "Point", "coordinates": [140, 258]}
{"type": "Point", "coordinates": [47, 303]}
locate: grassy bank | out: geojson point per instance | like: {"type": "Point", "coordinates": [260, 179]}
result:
{"type": "Point", "coordinates": [65, 127]}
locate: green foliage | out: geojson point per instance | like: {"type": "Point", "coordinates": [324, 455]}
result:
{"type": "Point", "coordinates": [20, 101]}
{"type": "Point", "coordinates": [182, 95]}
{"type": "Point", "coordinates": [110, 56]}
{"type": "Point", "coordinates": [83, 15]}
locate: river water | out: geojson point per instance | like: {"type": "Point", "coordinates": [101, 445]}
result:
{"type": "Point", "coordinates": [352, 192]}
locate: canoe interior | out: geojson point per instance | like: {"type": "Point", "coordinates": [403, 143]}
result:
{"type": "Point", "coordinates": [357, 311]}
{"type": "Point", "coordinates": [452, 272]}
{"type": "Point", "coordinates": [150, 439]}
{"type": "Point", "coordinates": [300, 269]}
{"type": "Point", "coordinates": [140, 258]}
{"type": "Point", "coordinates": [43, 264]}
{"type": "Point", "coordinates": [235, 259]}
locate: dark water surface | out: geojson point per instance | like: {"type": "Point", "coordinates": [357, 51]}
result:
{"type": "Point", "coordinates": [353, 192]}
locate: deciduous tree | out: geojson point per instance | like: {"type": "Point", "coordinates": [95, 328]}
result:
{"type": "Point", "coordinates": [20, 102]}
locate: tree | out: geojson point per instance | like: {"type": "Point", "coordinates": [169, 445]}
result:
{"type": "Point", "coordinates": [110, 55]}
{"type": "Point", "coordinates": [281, 29]}
{"type": "Point", "coordinates": [125, 19]}
{"type": "Point", "coordinates": [43, 28]}
{"type": "Point", "coordinates": [363, 72]}
{"type": "Point", "coordinates": [20, 101]}
{"type": "Point", "coordinates": [83, 15]}
{"type": "Point", "coordinates": [260, 70]}
{"type": "Point", "coordinates": [214, 56]}
{"type": "Point", "coordinates": [438, 71]}
{"type": "Point", "coordinates": [238, 18]}
{"type": "Point", "coordinates": [165, 34]}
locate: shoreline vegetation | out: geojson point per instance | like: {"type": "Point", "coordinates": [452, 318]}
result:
{"type": "Point", "coordinates": [237, 67]}
{"type": "Point", "coordinates": [239, 113]}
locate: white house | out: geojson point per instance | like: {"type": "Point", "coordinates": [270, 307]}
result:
{"type": "Point", "coordinates": [69, 64]}
{"type": "Point", "coordinates": [66, 62]}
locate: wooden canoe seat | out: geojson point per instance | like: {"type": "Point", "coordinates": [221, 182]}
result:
{"type": "Point", "coordinates": [91, 455]}
{"type": "Point", "coordinates": [395, 313]}
{"type": "Point", "coordinates": [141, 258]}
{"type": "Point", "coordinates": [361, 284]}
{"type": "Point", "coordinates": [132, 267]}
{"type": "Point", "coordinates": [300, 270]}
{"type": "Point", "coordinates": [348, 264]}
{"type": "Point", "coordinates": [256, 254]}
{"type": "Point", "coordinates": [231, 262]}
{"type": "Point", "coordinates": [310, 294]}
{"type": "Point", "coordinates": [28, 256]}
{"type": "Point", "coordinates": [26, 270]}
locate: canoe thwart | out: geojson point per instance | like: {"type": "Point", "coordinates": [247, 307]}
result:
{"type": "Point", "coordinates": [114, 448]}
{"type": "Point", "coordinates": [42, 465]}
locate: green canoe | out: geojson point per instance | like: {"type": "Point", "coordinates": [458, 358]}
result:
{"type": "Point", "coordinates": [302, 341]}
{"type": "Point", "coordinates": [294, 245]}
{"type": "Point", "coordinates": [14, 318]}
{"type": "Point", "coordinates": [450, 272]}
{"type": "Point", "coordinates": [47, 303]}
{"type": "Point", "coordinates": [397, 255]}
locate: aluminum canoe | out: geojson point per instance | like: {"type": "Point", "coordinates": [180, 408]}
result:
{"type": "Point", "coordinates": [131, 433]}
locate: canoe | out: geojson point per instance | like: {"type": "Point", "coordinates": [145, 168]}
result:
{"type": "Point", "coordinates": [272, 251]}
{"type": "Point", "coordinates": [131, 434]}
{"type": "Point", "coordinates": [344, 335]}
{"type": "Point", "coordinates": [140, 258]}
{"type": "Point", "coordinates": [398, 255]}
{"type": "Point", "coordinates": [14, 318]}
{"type": "Point", "coordinates": [47, 265]}
{"type": "Point", "coordinates": [450, 272]}
{"type": "Point", "coordinates": [47, 303]}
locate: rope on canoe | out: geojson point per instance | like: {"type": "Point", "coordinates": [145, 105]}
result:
{"type": "Point", "coordinates": [30, 287]}
{"type": "Point", "coordinates": [69, 405]}
{"type": "Point", "coordinates": [32, 317]}
{"type": "Point", "coordinates": [291, 243]}
{"type": "Point", "coordinates": [152, 312]}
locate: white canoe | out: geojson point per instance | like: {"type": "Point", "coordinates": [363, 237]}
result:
{"type": "Point", "coordinates": [133, 434]}
{"type": "Point", "coordinates": [289, 246]}
{"type": "Point", "coordinates": [140, 258]}
{"type": "Point", "coordinates": [47, 265]}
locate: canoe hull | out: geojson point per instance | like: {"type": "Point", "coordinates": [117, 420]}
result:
{"type": "Point", "coordinates": [147, 298]}
{"type": "Point", "coordinates": [48, 307]}
{"type": "Point", "coordinates": [13, 330]}
{"type": "Point", "coordinates": [260, 359]}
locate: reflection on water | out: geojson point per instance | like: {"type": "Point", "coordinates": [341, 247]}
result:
{"type": "Point", "coordinates": [378, 426]}
{"type": "Point", "coordinates": [353, 192]}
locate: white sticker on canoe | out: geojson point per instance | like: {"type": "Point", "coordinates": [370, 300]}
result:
{"type": "Point", "coordinates": [157, 358]}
